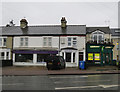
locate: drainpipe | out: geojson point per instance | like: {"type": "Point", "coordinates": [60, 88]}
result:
{"type": "Point", "coordinates": [59, 47]}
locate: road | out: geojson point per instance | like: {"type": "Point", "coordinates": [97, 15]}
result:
{"type": "Point", "coordinates": [61, 82]}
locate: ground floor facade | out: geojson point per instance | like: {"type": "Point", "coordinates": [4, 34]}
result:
{"type": "Point", "coordinates": [38, 57]}
{"type": "Point", "coordinates": [99, 54]}
{"type": "Point", "coordinates": [5, 54]}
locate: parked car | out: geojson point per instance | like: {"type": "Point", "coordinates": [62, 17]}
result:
{"type": "Point", "coordinates": [55, 62]}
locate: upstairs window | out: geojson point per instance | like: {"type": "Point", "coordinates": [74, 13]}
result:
{"type": "Point", "coordinates": [24, 41]}
{"type": "Point", "coordinates": [72, 41]}
{"type": "Point", "coordinates": [69, 41]}
{"type": "Point", "coordinates": [3, 41]}
{"type": "Point", "coordinates": [98, 36]}
{"type": "Point", "coordinates": [47, 41]}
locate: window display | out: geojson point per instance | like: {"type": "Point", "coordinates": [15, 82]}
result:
{"type": "Point", "coordinates": [97, 56]}
{"type": "Point", "coordinates": [90, 56]}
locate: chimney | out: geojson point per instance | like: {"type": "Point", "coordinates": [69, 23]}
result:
{"type": "Point", "coordinates": [63, 22]}
{"type": "Point", "coordinates": [23, 23]}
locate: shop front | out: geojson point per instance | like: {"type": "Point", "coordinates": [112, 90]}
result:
{"type": "Point", "coordinates": [99, 54]}
{"type": "Point", "coordinates": [31, 57]}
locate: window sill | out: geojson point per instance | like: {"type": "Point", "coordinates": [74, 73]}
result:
{"type": "Point", "coordinates": [3, 46]}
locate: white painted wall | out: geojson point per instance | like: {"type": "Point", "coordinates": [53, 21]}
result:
{"type": "Point", "coordinates": [36, 41]}
{"type": "Point", "coordinates": [80, 42]}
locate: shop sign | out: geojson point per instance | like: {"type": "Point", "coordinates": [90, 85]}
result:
{"type": "Point", "coordinates": [94, 46]}
{"type": "Point", "coordinates": [107, 47]}
{"type": "Point", "coordinates": [97, 56]}
{"type": "Point", "coordinates": [90, 56]}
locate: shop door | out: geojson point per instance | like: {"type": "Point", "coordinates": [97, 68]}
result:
{"type": "Point", "coordinates": [68, 57]}
{"type": "Point", "coordinates": [107, 58]}
{"type": "Point", "coordinates": [80, 56]}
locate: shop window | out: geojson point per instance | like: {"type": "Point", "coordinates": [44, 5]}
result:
{"type": "Point", "coordinates": [24, 57]}
{"type": "Point", "coordinates": [42, 57]}
{"type": "Point", "coordinates": [90, 56]}
{"type": "Point", "coordinates": [96, 56]}
{"type": "Point", "coordinates": [24, 41]}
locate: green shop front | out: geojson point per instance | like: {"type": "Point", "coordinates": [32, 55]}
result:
{"type": "Point", "coordinates": [99, 54]}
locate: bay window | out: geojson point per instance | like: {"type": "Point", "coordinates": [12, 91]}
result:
{"type": "Point", "coordinates": [98, 36]}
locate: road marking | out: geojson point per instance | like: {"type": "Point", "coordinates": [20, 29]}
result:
{"type": "Point", "coordinates": [70, 77]}
{"type": "Point", "coordinates": [103, 86]}
{"type": "Point", "coordinates": [75, 87]}
{"type": "Point", "coordinates": [58, 82]}
{"type": "Point", "coordinates": [13, 84]}
{"type": "Point", "coordinates": [93, 75]}
{"type": "Point", "coordinates": [108, 86]}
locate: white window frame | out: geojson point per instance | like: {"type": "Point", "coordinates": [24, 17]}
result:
{"type": "Point", "coordinates": [62, 40]}
{"type": "Point", "coordinates": [69, 41]}
{"type": "Point", "coordinates": [72, 42]}
{"type": "Point", "coordinates": [5, 57]}
{"type": "Point", "coordinates": [48, 41]}
{"type": "Point", "coordinates": [93, 34]}
{"type": "Point", "coordinates": [24, 41]}
{"type": "Point", "coordinates": [2, 41]}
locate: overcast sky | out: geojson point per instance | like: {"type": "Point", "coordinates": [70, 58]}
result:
{"type": "Point", "coordinates": [48, 13]}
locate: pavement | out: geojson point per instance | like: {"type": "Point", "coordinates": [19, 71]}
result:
{"type": "Point", "coordinates": [39, 70]}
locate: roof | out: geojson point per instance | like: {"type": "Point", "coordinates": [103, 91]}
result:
{"type": "Point", "coordinates": [115, 32]}
{"type": "Point", "coordinates": [106, 30]}
{"type": "Point", "coordinates": [44, 30]}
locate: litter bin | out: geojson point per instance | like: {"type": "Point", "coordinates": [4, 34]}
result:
{"type": "Point", "coordinates": [81, 64]}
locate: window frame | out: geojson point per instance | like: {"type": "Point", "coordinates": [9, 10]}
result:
{"type": "Point", "coordinates": [72, 42]}
{"type": "Point", "coordinates": [98, 34]}
{"type": "Point", "coordinates": [3, 43]}
{"type": "Point", "coordinates": [24, 41]}
{"type": "Point", "coordinates": [6, 54]}
{"type": "Point", "coordinates": [48, 41]}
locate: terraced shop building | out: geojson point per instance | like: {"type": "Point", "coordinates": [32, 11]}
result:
{"type": "Point", "coordinates": [32, 44]}
{"type": "Point", "coordinates": [99, 46]}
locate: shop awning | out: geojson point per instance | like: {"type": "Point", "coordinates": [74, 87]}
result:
{"type": "Point", "coordinates": [34, 51]}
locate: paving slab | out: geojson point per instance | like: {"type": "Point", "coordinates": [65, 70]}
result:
{"type": "Point", "coordinates": [38, 70]}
